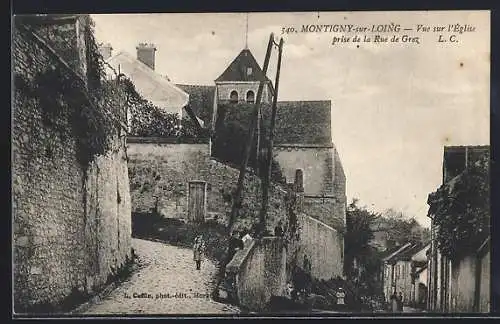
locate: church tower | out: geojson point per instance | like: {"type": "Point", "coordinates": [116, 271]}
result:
{"type": "Point", "coordinates": [239, 83]}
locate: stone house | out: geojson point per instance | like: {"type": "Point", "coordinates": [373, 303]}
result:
{"type": "Point", "coordinates": [156, 88]}
{"type": "Point", "coordinates": [458, 285]}
{"type": "Point", "coordinates": [418, 292]}
{"type": "Point", "coordinates": [389, 271]}
{"type": "Point", "coordinates": [400, 269]}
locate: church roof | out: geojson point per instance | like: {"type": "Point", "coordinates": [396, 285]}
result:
{"type": "Point", "coordinates": [237, 70]}
{"type": "Point", "coordinates": [297, 122]}
{"type": "Point", "coordinates": [303, 122]}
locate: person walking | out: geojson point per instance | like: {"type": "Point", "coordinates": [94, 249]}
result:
{"type": "Point", "coordinates": [308, 275]}
{"type": "Point", "coordinates": [198, 251]}
{"type": "Point", "coordinates": [400, 302]}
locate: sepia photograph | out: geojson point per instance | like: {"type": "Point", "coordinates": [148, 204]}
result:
{"type": "Point", "coordinates": [326, 163]}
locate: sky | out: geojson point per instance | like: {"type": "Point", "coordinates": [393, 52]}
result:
{"type": "Point", "coordinates": [394, 105]}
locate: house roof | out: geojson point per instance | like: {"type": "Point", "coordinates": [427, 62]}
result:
{"type": "Point", "coordinates": [237, 70]}
{"type": "Point", "coordinates": [422, 251]}
{"type": "Point", "coordinates": [151, 85]}
{"type": "Point", "coordinates": [201, 100]}
{"type": "Point", "coordinates": [420, 269]}
{"type": "Point", "coordinates": [409, 252]}
{"type": "Point", "coordinates": [395, 252]}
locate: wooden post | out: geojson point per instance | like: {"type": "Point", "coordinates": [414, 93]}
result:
{"type": "Point", "coordinates": [266, 181]}
{"type": "Point", "coordinates": [251, 132]}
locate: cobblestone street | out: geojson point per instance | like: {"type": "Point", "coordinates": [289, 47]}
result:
{"type": "Point", "coordinates": [166, 283]}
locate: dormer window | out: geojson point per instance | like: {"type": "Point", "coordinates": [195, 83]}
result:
{"type": "Point", "coordinates": [250, 97]}
{"type": "Point", "coordinates": [249, 71]}
{"type": "Point", "coordinates": [233, 97]}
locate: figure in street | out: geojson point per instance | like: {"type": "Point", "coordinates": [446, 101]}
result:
{"type": "Point", "coordinates": [400, 302]}
{"type": "Point", "coordinates": [394, 302]}
{"type": "Point", "coordinates": [278, 230]}
{"type": "Point", "coordinates": [308, 275]}
{"type": "Point", "coordinates": [198, 250]}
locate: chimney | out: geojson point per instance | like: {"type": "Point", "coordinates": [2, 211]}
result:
{"type": "Point", "coordinates": [105, 49]}
{"type": "Point", "coordinates": [146, 54]}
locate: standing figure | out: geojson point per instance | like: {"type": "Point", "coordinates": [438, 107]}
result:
{"type": "Point", "coordinates": [198, 250]}
{"type": "Point", "coordinates": [394, 302]}
{"type": "Point", "coordinates": [278, 230]}
{"type": "Point", "coordinates": [308, 275]}
{"type": "Point", "coordinates": [400, 302]}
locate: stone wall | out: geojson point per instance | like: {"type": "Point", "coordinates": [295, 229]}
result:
{"type": "Point", "coordinates": [259, 272]}
{"type": "Point", "coordinates": [316, 165]}
{"type": "Point", "coordinates": [485, 284]}
{"type": "Point", "coordinates": [463, 285]}
{"type": "Point", "coordinates": [71, 222]}
{"type": "Point", "coordinates": [402, 280]}
{"type": "Point", "coordinates": [224, 91]}
{"type": "Point", "coordinates": [323, 245]}
{"type": "Point", "coordinates": [469, 282]}
{"type": "Point", "coordinates": [323, 178]}
{"type": "Point", "coordinates": [162, 168]}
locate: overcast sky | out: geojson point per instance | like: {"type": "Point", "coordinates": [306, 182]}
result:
{"type": "Point", "coordinates": [394, 106]}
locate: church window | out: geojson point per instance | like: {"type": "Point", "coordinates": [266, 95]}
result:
{"type": "Point", "coordinates": [249, 71]}
{"type": "Point", "coordinates": [250, 97]}
{"type": "Point", "coordinates": [233, 97]}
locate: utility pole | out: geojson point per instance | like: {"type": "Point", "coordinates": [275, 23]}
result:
{"type": "Point", "coordinates": [237, 199]}
{"type": "Point", "coordinates": [266, 181]}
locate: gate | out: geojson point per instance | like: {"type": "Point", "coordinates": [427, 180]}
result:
{"type": "Point", "coordinates": [197, 201]}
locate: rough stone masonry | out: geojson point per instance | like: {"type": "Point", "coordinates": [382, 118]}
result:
{"type": "Point", "coordinates": [71, 220]}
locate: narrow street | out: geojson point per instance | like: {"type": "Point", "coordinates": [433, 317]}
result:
{"type": "Point", "coordinates": [166, 283]}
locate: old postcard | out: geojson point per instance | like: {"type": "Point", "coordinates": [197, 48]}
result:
{"type": "Point", "coordinates": [251, 164]}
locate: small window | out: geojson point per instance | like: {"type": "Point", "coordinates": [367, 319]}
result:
{"type": "Point", "coordinates": [249, 71]}
{"type": "Point", "coordinates": [250, 97]}
{"type": "Point", "coordinates": [233, 97]}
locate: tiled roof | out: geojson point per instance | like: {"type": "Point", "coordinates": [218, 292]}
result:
{"type": "Point", "coordinates": [409, 252]}
{"type": "Point", "coordinates": [396, 251]}
{"type": "Point", "coordinates": [201, 100]}
{"type": "Point", "coordinates": [237, 70]}
{"type": "Point", "coordinates": [297, 122]}
{"type": "Point", "coordinates": [303, 122]}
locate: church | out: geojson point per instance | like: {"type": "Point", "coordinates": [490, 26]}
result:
{"type": "Point", "coordinates": [303, 131]}
{"type": "Point", "coordinates": [303, 134]}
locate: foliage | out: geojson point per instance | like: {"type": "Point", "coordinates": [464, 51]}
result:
{"type": "Point", "coordinates": [401, 229]}
{"type": "Point", "coordinates": [149, 120]}
{"type": "Point", "coordinates": [358, 235]}
{"type": "Point", "coordinates": [65, 98]}
{"type": "Point", "coordinates": [461, 210]}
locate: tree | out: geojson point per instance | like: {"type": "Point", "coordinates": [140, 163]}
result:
{"type": "Point", "coordinates": [358, 235]}
{"type": "Point", "coordinates": [400, 228]}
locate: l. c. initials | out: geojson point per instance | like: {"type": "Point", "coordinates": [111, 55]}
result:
{"type": "Point", "coordinates": [451, 39]}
